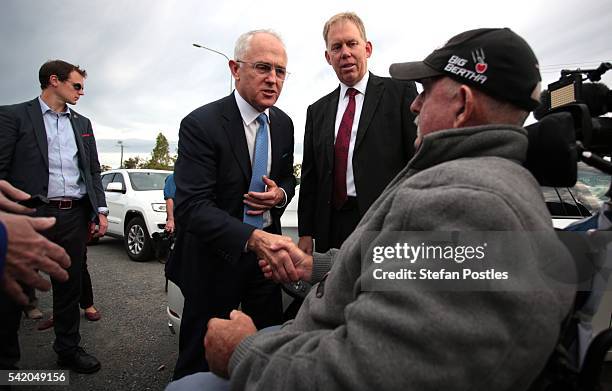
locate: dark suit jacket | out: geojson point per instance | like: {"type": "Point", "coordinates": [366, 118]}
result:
{"type": "Point", "coordinates": [384, 144]}
{"type": "Point", "coordinates": [212, 173]}
{"type": "Point", "coordinates": [24, 160]}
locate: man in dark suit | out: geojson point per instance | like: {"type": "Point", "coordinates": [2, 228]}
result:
{"type": "Point", "coordinates": [234, 176]}
{"type": "Point", "coordinates": [48, 149]}
{"type": "Point", "coordinates": [357, 139]}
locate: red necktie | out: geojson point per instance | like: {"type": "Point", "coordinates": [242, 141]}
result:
{"type": "Point", "coordinates": [341, 149]}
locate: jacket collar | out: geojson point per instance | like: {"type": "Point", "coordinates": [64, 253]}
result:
{"type": "Point", "coordinates": [375, 90]}
{"type": "Point", "coordinates": [34, 110]}
{"type": "Point", "coordinates": [234, 128]}
{"type": "Point", "coordinates": [504, 141]}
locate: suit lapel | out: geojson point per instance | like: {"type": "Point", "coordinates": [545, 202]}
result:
{"type": "Point", "coordinates": [374, 92]}
{"type": "Point", "coordinates": [234, 129]}
{"type": "Point", "coordinates": [329, 125]}
{"type": "Point", "coordinates": [78, 138]}
{"type": "Point", "coordinates": [35, 113]}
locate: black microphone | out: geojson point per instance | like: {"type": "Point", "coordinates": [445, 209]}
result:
{"type": "Point", "coordinates": [552, 156]}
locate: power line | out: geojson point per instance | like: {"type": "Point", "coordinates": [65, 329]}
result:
{"type": "Point", "coordinates": [560, 66]}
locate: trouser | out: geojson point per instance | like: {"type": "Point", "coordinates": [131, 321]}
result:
{"type": "Point", "coordinates": [10, 318]}
{"type": "Point", "coordinates": [70, 232]}
{"type": "Point", "coordinates": [343, 222]}
{"type": "Point", "coordinates": [87, 299]}
{"type": "Point", "coordinates": [200, 381]}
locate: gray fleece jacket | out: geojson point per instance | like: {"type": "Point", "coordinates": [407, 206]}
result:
{"type": "Point", "coordinates": [349, 338]}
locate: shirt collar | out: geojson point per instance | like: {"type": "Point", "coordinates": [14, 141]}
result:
{"type": "Point", "coordinates": [247, 112]}
{"type": "Point", "coordinates": [45, 108]}
{"type": "Point", "coordinates": [359, 86]}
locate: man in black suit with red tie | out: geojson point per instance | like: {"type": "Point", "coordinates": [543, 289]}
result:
{"type": "Point", "coordinates": [357, 139]}
{"type": "Point", "coordinates": [234, 177]}
{"type": "Point", "coordinates": [48, 149]}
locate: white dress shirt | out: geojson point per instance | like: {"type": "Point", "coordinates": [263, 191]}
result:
{"type": "Point", "coordinates": [342, 104]}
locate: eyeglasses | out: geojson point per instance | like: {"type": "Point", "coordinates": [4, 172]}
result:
{"type": "Point", "coordinates": [76, 86]}
{"type": "Point", "coordinates": [263, 68]}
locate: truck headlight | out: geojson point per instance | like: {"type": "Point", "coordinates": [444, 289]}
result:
{"type": "Point", "coordinates": [159, 207]}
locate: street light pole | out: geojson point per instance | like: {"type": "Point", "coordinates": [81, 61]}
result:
{"type": "Point", "coordinates": [218, 52]}
{"type": "Point", "coordinates": [120, 143]}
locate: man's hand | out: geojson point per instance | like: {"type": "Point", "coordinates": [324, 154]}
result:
{"type": "Point", "coordinates": [279, 260]}
{"type": "Point", "coordinates": [29, 251]}
{"type": "Point", "coordinates": [102, 226]}
{"type": "Point", "coordinates": [302, 263]}
{"type": "Point", "coordinates": [305, 244]}
{"type": "Point", "coordinates": [169, 226]}
{"type": "Point", "coordinates": [170, 215]}
{"type": "Point", "coordinates": [261, 202]}
{"type": "Point", "coordinates": [222, 337]}
{"type": "Point", "coordinates": [8, 196]}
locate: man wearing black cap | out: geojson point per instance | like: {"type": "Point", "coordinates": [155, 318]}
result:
{"type": "Point", "coordinates": [466, 176]}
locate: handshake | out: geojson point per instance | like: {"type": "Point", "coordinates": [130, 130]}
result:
{"type": "Point", "coordinates": [279, 258]}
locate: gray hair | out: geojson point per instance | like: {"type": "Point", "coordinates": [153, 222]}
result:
{"type": "Point", "coordinates": [243, 42]}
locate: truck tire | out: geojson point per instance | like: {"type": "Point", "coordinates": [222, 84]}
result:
{"type": "Point", "coordinates": [138, 243]}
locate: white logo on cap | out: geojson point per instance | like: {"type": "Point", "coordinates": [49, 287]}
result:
{"type": "Point", "coordinates": [456, 66]}
{"type": "Point", "coordinates": [479, 59]}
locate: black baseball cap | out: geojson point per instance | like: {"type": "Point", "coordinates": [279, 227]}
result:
{"type": "Point", "coordinates": [497, 61]}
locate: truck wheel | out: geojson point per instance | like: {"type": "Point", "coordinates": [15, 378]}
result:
{"type": "Point", "coordinates": [137, 240]}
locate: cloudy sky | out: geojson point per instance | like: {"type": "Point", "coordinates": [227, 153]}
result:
{"type": "Point", "coordinates": [145, 75]}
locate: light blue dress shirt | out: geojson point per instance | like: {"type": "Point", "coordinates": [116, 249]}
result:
{"type": "Point", "coordinates": [64, 177]}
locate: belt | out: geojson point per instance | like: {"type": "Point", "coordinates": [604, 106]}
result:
{"type": "Point", "coordinates": [66, 204]}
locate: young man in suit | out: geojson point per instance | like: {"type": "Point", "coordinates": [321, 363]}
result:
{"type": "Point", "coordinates": [234, 176]}
{"type": "Point", "coordinates": [48, 149]}
{"type": "Point", "coordinates": [357, 139]}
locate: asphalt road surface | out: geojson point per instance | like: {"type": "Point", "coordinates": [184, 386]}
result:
{"type": "Point", "coordinates": [132, 340]}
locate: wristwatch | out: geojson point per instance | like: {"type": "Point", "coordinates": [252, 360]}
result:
{"type": "Point", "coordinates": [103, 212]}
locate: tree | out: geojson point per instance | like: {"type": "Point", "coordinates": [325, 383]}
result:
{"type": "Point", "coordinates": [104, 167]}
{"type": "Point", "coordinates": [133, 162]}
{"type": "Point", "coordinates": [160, 156]}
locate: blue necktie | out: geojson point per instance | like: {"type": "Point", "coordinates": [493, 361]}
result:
{"type": "Point", "coordinates": [260, 168]}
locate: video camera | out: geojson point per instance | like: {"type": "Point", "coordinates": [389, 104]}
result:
{"type": "Point", "coordinates": [571, 128]}
{"type": "Point", "coordinates": [163, 243]}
